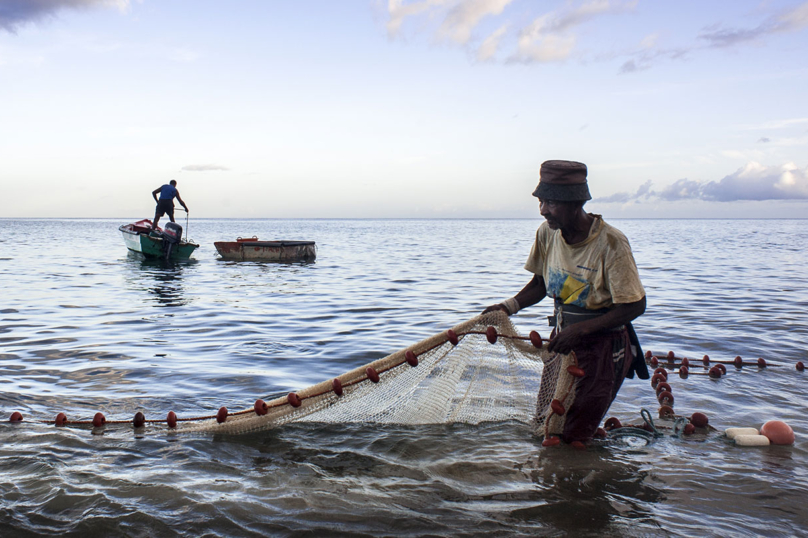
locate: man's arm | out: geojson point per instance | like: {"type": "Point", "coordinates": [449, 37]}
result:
{"type": "Point", "coordinates": [154, 193]}
{"type": "Point", "coordinates": [532, 293]}
{"type": "Point", "coordinates": [619, 315]}
{"type": "Point", "coordinates": [181, 202]}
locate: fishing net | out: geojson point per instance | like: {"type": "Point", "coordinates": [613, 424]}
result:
{"type": "Point", "coordinates": [479, 371]}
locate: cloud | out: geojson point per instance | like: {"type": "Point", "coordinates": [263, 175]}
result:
{"type": "Point", "coordinates": [15, 13]}
{"type": "Point", "coordinates": [750, 182]}
{"type": "Point", "coordinates": [465, 16]}
{"type": "Point", "coordinates": [203, 168]}
{"type": "Point", "coordinates": [764, 140]}
{"type": "Point", "coordinates": [789, 21]}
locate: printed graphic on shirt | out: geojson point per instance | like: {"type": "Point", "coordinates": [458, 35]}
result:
{"type": "Point", "coordinates": [567, 287]}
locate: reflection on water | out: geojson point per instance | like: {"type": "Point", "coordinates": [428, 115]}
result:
{"type": "Point", "coordinates": [161, 278]}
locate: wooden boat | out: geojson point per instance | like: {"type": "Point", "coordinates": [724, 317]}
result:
{"type": "Point", "coordinates": [157, 243]}
{"type": "Point", "coordinates": [251, 249]}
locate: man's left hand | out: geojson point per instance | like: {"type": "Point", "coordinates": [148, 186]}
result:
{"type": "Point", "coordinates": [564, 341]}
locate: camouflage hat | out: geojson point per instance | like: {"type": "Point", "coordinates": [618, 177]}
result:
{"type": "Point", "coordinates": [562, 181]}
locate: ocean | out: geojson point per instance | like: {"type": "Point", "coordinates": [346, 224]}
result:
{"type": "Point", "coordinates": [86, 326]}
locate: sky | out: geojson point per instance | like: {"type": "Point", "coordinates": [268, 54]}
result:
{"type": "Point", "coordinates": [401, 108]}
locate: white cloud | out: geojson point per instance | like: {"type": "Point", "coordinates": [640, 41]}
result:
{"type": "Point", "coordinates": [15, 13]}
{"type": "Point", "coordinates": [465, 16]}
{"type": "Point", "coordinates": [204, 168]}
{"type": "Point", "coordinates": [490, 46]}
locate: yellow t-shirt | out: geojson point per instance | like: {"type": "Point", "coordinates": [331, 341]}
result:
{"type": "Point", "coordinates": [598, 272]}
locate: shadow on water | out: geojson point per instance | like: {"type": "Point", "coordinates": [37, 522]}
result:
{"type": "Point", "coordinates": [162, 279]}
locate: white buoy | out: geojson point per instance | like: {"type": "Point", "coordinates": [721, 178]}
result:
{"type": "Point", "coordinates": [732, 433]}
{"type": "Point", "coordinates": [752, 440]}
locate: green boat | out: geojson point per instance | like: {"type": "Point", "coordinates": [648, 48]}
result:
{"type": "Point", "coordinates": [157, 243]}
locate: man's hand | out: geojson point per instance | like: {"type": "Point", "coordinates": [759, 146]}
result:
{"type": "Point", "coordinates": [564, 341]}
{"type": "Point", "coordinates": [495, 307]}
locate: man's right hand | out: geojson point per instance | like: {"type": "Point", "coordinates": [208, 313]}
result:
{"type": "Point", "coordinates": [495, 307]}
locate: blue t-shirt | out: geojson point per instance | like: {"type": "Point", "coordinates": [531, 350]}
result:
{"type": "Point", "coordinates": [168, 192]}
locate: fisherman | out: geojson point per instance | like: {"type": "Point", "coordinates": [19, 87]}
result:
{"type": "Point", "coordinates": [587, 268]}
{"type": "Point", "coordinates": [165, 205]}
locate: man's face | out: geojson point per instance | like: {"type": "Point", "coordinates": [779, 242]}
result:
{"type": "Point", "coordinates": [559, 215]}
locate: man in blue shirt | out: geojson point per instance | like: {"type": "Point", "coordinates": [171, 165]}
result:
{"type": "Point", "coordinates": [165, 205]}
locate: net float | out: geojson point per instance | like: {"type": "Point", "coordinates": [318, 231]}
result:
{"type": "Point", "coordinates": [575, 371]}
{"type": "Point", "coordinates": [261, 407]}
{"type": "Point", "coordinates": [221, 416]}
{"type": "Point", "coordinates": [666, 411]}
{"type": "Point", "coordinates": [699, 420]}
{"type": "Point", "coordinates": [722, 368]}
{"type": "Point", "coordinates": [800, 366]}
{"type": "Point", "coordinates": [778, 432]}
{"type": "Point", "coordinates": [656, 379]}
{"type": "Point", "coordinates": [738, 361]}
{"type": "Point", "coordinates": [411, 359]}
{"type": "Point", "coordinates": [689, 429]}
{"type": "Point", "coordinates": [654, 361]}
{"type": "Point", "coordinates": [557, 407]}
{"type": "Point", "coordinates": [99, 420]}
{"type": "Point", "coordinates": [715, 372]}
{"type": "Point", "coordinates": [535, 339]}
{"type": "Point", "coordinates": [665, 398]}
{"type": "Point", "coordinates": [663, 386]}
{"type": "Point", "coordinates": [578, 445]}
{"type": "Point", "coordinates": [648, 355]}
{"type": "Point", "coordinates": [16, 416]}
{"type": "Point", "coordinates": [293, 399]}
{"type": "Point", "coordinates": [612, 423]}
{"type": "Point", "coordinates": [551, 441]}
{"type": "Point", "coordinates": [732, 433]}
{"type": "Point", "coordinates": [670, 356]}
{"type": "Point", "coordinates": [61, 419]}
{"type": "Point", "coordinates": [372, 374]}
{"type": "Point", "coordinates": [706, 360]}
{"type": "Point", "coordinates": [171, 419]}
{"type": "Point", "coordinates": [452, 336]}
{"type": "Point", "coordinates": [139, 420]}
{"type": "Point", "coordinates": [336, 385]}
{"type": "Point", "coordinates": [761, 363]}
{"type": "Point", "coordinates": [662, 371]}
{"type": "Point", "coordinates": [685, 362]}
{"type": "Point", "coordinates": [491, 334]}
{"type": "Point", "coordinates": [600, 433]}
{"type": "Point", "coordinates": [752, 440]}
{"type": "Point", "coordinates": [683, 371]}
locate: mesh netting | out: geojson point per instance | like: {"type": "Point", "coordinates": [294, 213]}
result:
{"type": "Point", "coordinates": [460, 377]}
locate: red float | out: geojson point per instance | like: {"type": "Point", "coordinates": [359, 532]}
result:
{"type": "Point", "coordinates": [761, 363]}
{"type": "Point", "coordinates": [578, 445]}
{"type": "Point", "coordinates": [452, 337]}
{"type": "Point", "coordinates": [699, 420]}
{"type": "Point", "coordinates": [336, 385]}
{"type": "Point", "coordinates": [671, 356]}
{"type": "Point", "coordinates": [612, 423]}
{"type": "Point", "coordinates": [690, 429]}
{"type": "Point", "coordinates": [738, 362]}
{"type": "Point", "coordinates": [662, 371]}
{"type": "Point", "coordinates": [372, 374]}
{"type": "Point", "coordinates": [666, 411]}
{"type": "Point", "coordinates": [535, 339]}
{"type": "Point", "coordinates": [491, 334]}
{"type": "Point", "coordinates": [722, 368]}
{"type": "Point", "coordinates": [600, 433]}
{"type": "Point", "coordinates": [663, 386]}
{"type": "Point", "coordinates": [778, 432]}
{"type": "Point", "coordinates": [139, 420]}
{"type": "Point", "coordinates": [706, 360]}
{"type": "Point", "coordinates": [261, 408]}
{"type": "Point", "coordinates": [665, 398]}
{"type": "Point", "coordinates": [16, 416]}
{"type": "Point", "coordinates": [683, 371]}
{"type": "Point", "coordinates": [800, 366]}
{"type": "Point", "coordinates": [171, 419]}
{"type": "Point", "coordinates": [648, 354]}
{"type": "Point", "coordinates": [99, 420]}
{"type": "Point", "coordinates": [293, 399]}
{"type": "Point", "coordinates": [411, 359]}
{"type": "Point", "coordinates": [574, 371]}
{"type": "Point", "coordinates": [557, 407]}
{"type": "Point", "coordinates": [685, 362]}
{"type": "Point", "coordinates": [656, 379]}
{"type": "Point", "coordinates": [654, 361]}
{"type": "Point", "coordinates": [221, 416]}
{"type": "Point", "coordinates": [551, 441]}
{"type": "Point", "coordinates": [61, 419]}
{"type": "Point", "coordinates": [714, 372]}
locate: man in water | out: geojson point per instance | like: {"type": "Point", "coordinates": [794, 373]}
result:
{"type": "Point", "coordinates": [587, 268]}
{"type": "Point", "coordinates": [165, 205]}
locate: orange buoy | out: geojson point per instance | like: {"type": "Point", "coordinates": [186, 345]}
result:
{"type": "Point", "coordinates": [261, 407]}
{"type": "Point", "coordinates": [557, 407]}
{"type": "Point", "coordinates": [293, 399]}
{"type": "Point", "coordinates": [663, 386]}
{"type": "Point", "coordinates": [761, 363]}
{"type": "Point", "coordinates": [800, 366]}
{"type": "Point", "coordinates": [690, 429]}
{"type": "Point", "coordinates": [778, 432]}
{"type": "Point", "coordinates": [452, 337]}
{"type": "Point", "coordinates": [706, 360]}
{"type": "Point", "coordinates": [738, 362]}
{"type": "Point", "coordinates": [61, 419]}
{"type": "Point", "coordinates": [221, 416]}
{"type": "Point", "coordinates": [574, 371]}
{"type": "Point", "coordinates": [171, 419]}
{"type": "Point", "coordinates": [666, 411]}
{"type": "Point", "coordinates": [612, 423]}
{"type": "Point", "coordinates": [491, 334]}
{"type": "Point", "coordinates": [139, 420]}
{"type": "Point", "coordinates": [99, 420]}
{"type": "Point", "coordinates": [411, 359]}
{"type": "Point", "coordinates": [372, 374]}
{"type": "Point", "coordinates": [699, 420]}
{"type": "Point", "coordinates": [683, 371]}
{"type": "Point", "coordinates": [665, 398]}
{"type": "Point", "coordinates": [535, 339]}
{"type": "Point", "coordinates": [16, 416]}
{"type": "Point", "coordinates": [551, 441]}
{"type": "Point", "coordinates": [714, 372]}
{"type": "Point", "coordinates": [336, 385]}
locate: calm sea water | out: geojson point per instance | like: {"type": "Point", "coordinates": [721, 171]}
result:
{"type": "Point", "coordinates": [86, 326]}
